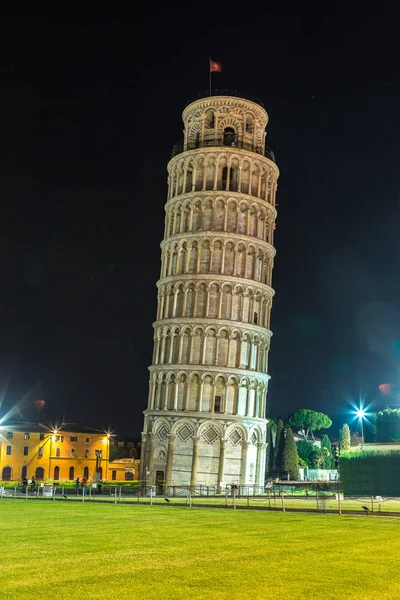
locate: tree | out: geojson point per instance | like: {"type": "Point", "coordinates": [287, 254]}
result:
{"type": "Point", "coordinates": [279, 442]}
{"type": "Point", "coordinates": [387, 425]}
{"type": "Point", "coordinates": [309, 421]}
{"type": "Point", "coordinates": [326, 448]}
{"type": "Point", "coordinates": [307, 452]}
{"type": "Point", "coordinates": [344, 438]}
{"type": "Point", "coordinates": [290, 464]}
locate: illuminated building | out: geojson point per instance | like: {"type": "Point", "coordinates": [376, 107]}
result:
{"type": "Point", "coordinates": [205, 420]}
{"type": "Point", "coordinates": [63, 454]}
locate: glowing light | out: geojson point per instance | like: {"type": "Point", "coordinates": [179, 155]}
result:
{"type": "Point", "coordinates": [360, 413]}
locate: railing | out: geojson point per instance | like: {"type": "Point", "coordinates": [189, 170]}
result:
{"type": "Point", "coordinates": [234, 93]}
{"type": "Point", "coordinates": [313, 497]}
{"type": "Point", "coordinates": [182, 147]}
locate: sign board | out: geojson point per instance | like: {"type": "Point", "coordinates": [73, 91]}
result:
{"type": "Point", "coordinates": [94, 486]}
{"type": "Point", "coordinates": [47, 490]}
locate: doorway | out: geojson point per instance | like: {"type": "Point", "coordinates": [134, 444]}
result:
{"type": "Point", "coordinates": [159, 483]}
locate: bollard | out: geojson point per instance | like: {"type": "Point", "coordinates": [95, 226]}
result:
{"type": "Point", "coordinates": [119, 493]}
{"type": "Point", "coordinates": [283, 503]}
{"type": "Point", "coordinates": [190, 499]}
{"type": "Point", "coordinates": [54, 493]}
{"type": "Point", "coordinates": [339, 505]}
{"type": "Point", "coordinates": [151, 495]}
{"type": "Point", "coordinates": [316, 495]}
{"type": "Point", "coordinates": [90, 492]}
{"type": "Point", "coordinates": [372, 503]}
{"type": "Point", "coordinates": [115, 495]}
{"type": "Point", "coordinates": [15, 491]}
{"type": "Point", "coordinates": [234, 499]}
{"type": "Point", "coordinates": [226, 497]}
{"type": "Point", "coordinates": [26, 493]}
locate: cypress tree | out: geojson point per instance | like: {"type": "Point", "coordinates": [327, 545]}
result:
{"type": "Point", "coordinates": [344, 438]}
{"type": "Point", "coordinates": [290, 463]}
{"type": "Point", "coordinates": [279, 441]}
{"type": "Point", "coordinates": [326, 443]}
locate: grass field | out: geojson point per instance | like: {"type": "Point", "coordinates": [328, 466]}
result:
{"type": "Point", "coordinates": [81, 551]}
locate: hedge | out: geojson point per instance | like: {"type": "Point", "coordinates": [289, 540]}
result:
{"type": "Point", "coordinates": [370, 473]}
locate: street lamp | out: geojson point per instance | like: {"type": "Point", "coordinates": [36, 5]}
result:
{"type": "Point", "coordinates": [360, 412]}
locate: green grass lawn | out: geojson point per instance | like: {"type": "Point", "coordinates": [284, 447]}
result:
{"type": "Point", "coordinates": [69, 550]}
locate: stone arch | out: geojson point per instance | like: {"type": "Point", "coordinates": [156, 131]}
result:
{"type": "Point", "coordinates": [193, 392]}
{"type": "Point", "coordinates": [217, 251]}
{"type": "Point", "coordinates": [185, 345]}
{"type": "Point", "coordinates": [207, 392]}
{"type": "Point", "coordinates": [231, 220]}
{"type": "Point", "coordinates": [201, 300]}
{"type": "Point", "coordinates": [197, 345]}
{"type": "Point", "coordinates": [219, 215]}
{"type": "Point", "coordinates": [213, 303]}
{"type": "Point", "coordinates": [210, 343]}
{"type": "Point", "coordinates": [229, 257]}
{"type": "Point", "coordinates": [226, 301]}
{"type": "Point", "coordinates": [205, 256]}
{"type": "Point", "coordinates": [231, 395]}
{"type": "Point", "coordinates": [223, 347]}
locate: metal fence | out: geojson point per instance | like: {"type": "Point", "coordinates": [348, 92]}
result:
{"type": "Point", "coordinates": [283, 496]}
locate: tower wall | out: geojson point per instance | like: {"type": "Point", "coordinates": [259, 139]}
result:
{"type": "Point", "coordinates": [205, 420]}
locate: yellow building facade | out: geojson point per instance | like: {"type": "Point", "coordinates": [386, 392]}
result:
{"type": "Point", "coordinates": [50, 454]}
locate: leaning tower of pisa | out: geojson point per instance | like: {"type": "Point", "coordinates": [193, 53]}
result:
{"type": "Point", "coordinates": [205, 421]}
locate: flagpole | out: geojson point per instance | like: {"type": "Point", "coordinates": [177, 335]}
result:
{"type": "Point", "coordinates": [209, 69]}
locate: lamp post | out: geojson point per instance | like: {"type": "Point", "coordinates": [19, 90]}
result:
{"type": "Point", "coordinates": [361, 415]}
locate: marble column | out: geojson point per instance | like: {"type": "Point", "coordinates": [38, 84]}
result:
{"type": "Point", "coordinates": [260, 475]}
{"type": "Point", "coordinates": [142, 456]}
{"type": "Point", "coordinates": [170, 459]}
{"type": "Point", "coordinates": [221, 465]}
{"type": "Point", "coordinates": [243, 473]}
{"type": "Point", "coordinates": [195, 460]}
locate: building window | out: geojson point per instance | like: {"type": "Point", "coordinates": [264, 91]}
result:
{"type": "Point", "coordinates": [56, 473]}
{"type": "Point", "coordinates": [58, 452]}
{"type": "Point", "coordinates": [88, 440]}
{"type": "Point", "coordinates": [71, 473]}
{"type": "Point", "coordinates": [128, 476]}
{"type": "Point", "coordinates": [26, 436]}
{"type": "Point", "coordinates": [8, 451]}
{"type": "Point", "coordinates": [114, 475]}
{"type": "Point", "coordinates": [73, 438]}
{"type": "Point", "coordinates": [24, 472]}
{"type": "Point", "coordinates": [41, 437]}
{"type": "Point", "coordinates": [59, 438]}
{"type": "Point", "coordinates": [26, 450]}
{"type": "Point", "coordinates": [86, 472]}
{"type": "Point", "coordinates": [255, 318]}
{"type": "Point", "coordinates": [9, 435]}
{"type": "Point", "coordinates": [87, 453]}
{"type": "Point", "coordinates": [6, 474]}
{"type": "Point", "coordinates": [40, 452]}
{"type": "Point", "coordinates": [217, 404]}
{"type": "Point", "coordinates": [73, 452]}
{"type": "Point", "coordinates": [229, 136]}
{"type": "Point", "coordinates": [39, 473]}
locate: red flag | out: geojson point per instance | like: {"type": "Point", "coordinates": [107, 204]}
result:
{"type": "Point", "coordinates": [215, 66]}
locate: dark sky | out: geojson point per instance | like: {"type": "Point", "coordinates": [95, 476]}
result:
{"type": "Point", "coordinates": [91, 107]}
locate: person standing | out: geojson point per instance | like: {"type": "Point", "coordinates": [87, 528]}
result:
{"type": "Point", "coordinates": [84, 484]}
{"type": "Point", "coordinates": [77, 485]}
{"type": "Point", "coordinates": [33, 484]}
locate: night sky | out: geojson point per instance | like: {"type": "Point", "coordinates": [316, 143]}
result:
{"type": "Point", "coordinates": [91, 106]}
